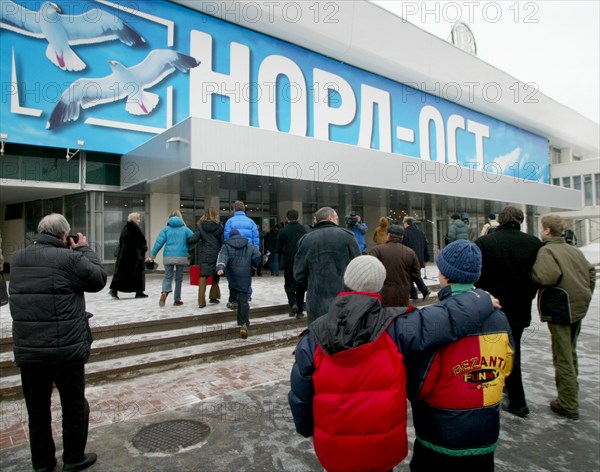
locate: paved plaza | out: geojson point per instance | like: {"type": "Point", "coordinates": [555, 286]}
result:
{"type": "Point", "coordinates": [243, 400]}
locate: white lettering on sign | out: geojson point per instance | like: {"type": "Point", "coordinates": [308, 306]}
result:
{"type": "Point", "coordinates": [334, 103]}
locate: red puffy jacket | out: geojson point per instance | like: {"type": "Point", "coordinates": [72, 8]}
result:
{"type": "Point", "coordinates": [360, 407]}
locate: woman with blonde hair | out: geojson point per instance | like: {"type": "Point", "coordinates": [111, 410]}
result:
{"type": "Point", "coordinates": [130, 275]}
{"type": "Point", "coordinates": [381, 232]}
{"type": "Point", "coordinates": [209, 238]}
{"type": "Point", "coordinates": [174, 238]}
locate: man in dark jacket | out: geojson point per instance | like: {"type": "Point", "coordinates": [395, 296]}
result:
{"type": "Point", "coordinates": [287, 246]}
{"type": "Point", "coordinates": [321, 260]}
{"type": "Point", "coordinates": [236, 260]}
{"type": "Point", "coordinates": [415, 239]}
{"type": "Point", "coordinates": [348, 384]}
{"type": "Point", "coordinates": [508, 256]}
{"type": "Point", "coordinates": [401, 266]}
{"type": "Point", "coordinates": [52, 338]}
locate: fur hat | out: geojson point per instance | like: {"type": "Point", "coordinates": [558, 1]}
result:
{"type": "Point", "coordinates": [365, 274]}
{"type": "Point", "coordinates": [460, 262]}
{"type": "Point", "coordinates": [396, 229]}
{"type": "Point", "coordinates": [234, 232]}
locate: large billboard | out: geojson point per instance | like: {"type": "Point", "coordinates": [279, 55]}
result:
{"type": "Point", "coordinates": [108, 76]}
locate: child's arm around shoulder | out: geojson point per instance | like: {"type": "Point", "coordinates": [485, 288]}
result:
{"type": "Point", "coordinates": [437, 325]}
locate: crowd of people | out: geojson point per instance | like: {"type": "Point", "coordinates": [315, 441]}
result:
{"type": "Point", "coordinates": [367, 351]}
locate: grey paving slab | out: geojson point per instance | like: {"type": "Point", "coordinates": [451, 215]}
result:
{"type": "Point", "coordinates": [244, 401]}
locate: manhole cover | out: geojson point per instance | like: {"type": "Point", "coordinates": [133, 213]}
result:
{"type": "Point", "coordinates": [170, 435]}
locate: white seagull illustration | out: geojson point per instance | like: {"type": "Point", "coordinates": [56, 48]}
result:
{"type": "Point", "coordinates": [63, 31]}
{"type": "Point", "coordinates": [129, 82]}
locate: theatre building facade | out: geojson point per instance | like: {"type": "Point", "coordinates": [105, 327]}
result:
{"type": "Point", "coordinates": [110, 107]}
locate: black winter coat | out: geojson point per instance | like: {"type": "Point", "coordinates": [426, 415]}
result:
{"type": "Point", "coordinates": [287, 242]}
{"type": "Point", "coordinates": [47, 302]}
{"type": "Point", "coordinates": [415, 239]}
{"type": "Point", "coordinates": [320, 263]}
{"type": "Point", "coordinates": [129, 266]}
{"type": "Point", "coordinates": [237, 257]}
{"type": "Point", "coordinates": [508, 256]}
{"type": "Point", "coordinates": [209, 237]}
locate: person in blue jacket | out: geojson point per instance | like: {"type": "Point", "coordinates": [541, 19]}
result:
{"type": "Point", "coordinates": [247, 229]}
{"type": "Point", "coordinates": [236, 259]}
{"type": "Point", "coordinates": [355, 224]}
{"type": "Point", "coordinates": [174, 238]}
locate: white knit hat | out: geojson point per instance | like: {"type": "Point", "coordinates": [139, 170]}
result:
{"type": "Point", "coordinates": [365, 274]}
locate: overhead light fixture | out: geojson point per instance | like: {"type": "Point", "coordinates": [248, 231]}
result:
{"type": "Point", "coordinates": [70, 155]}
{"type": "Point", "coordinates": [3, 138]}
{"type": "Point", "coordinates": [177, 139]}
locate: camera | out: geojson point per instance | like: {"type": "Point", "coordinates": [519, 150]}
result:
{"type": "Point", "coordinates": [75, 238]}
{"type": "Point", "coordinates": [351, 219]}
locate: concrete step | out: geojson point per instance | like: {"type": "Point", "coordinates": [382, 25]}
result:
{"type": "Point", "coordinates": [182, 334]}
{"type": "Point", "coordinates": [140, 354]}
{"type": "Point", "coordinates": [132, 349]}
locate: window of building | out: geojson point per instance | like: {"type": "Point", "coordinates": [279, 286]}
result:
{"type": "Point", "coordinates": [597, 185]}
{"type": "Point", "coordinates": [33, 215]}
{"type": "Point", "coordinates": [566, 182]}
{"type": "Point", "coordinates": [14, 211]}
{"type": "Point", "coordinates": [577, 182]}
{"type": "Point", "coordinates": [556, 182]}
{"type": "Point", "coordinates": [116, 209]}
{"type": "Point", "coordinates": [588, 190]}
{"type": "Point", "coordinates": [75, 211]}
{"type": "Point", "coordinates": [576, 158]}
{"type": "Point", "coordinates": [38, 163]}
{"type": "Point", "coordinates": [555, 155]}
{"type": "Point", "coordinates": [102, 168]}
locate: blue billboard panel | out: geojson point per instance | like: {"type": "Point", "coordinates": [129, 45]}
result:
{"type": "Point", "coordinates": [110, 75]}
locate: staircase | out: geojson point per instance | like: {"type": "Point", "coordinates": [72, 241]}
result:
{"type": "Point", "coordinates": [133, 349]}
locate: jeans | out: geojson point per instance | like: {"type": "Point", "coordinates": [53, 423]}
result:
{"type": "Point", "coordinates": [167, 285]}
{"type": "Point", "coordinates": [243, 309]}
{"type": "Point", "coordinates": [274, 263]}
{"type": "Point", "coordinates": [37, 388]}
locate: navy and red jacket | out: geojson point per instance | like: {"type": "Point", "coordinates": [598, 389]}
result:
{"type": "Point", "coordinates": [348, 384]}
{"type": "Point", "coordinates": [456, 391]}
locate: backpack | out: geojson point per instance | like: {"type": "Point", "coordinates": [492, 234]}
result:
{"type": "Point", "coordinates": [570, 237]}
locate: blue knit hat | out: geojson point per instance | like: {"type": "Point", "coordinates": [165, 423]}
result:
{"type": "Point", "coordinates": [460, 261]}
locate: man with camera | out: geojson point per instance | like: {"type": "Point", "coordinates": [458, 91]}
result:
{"type": "Point", "coordinates": [355, 224]}
{"type": "Point", "coordinates": [52, 338]}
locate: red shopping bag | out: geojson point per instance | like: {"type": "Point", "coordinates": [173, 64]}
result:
{"type": "Point", "coordinates": [195, 276]}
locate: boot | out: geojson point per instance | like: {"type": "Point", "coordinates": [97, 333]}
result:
{"type": "Point", "coordinates": [163, 299]}
{"type": "Point", "coordinates": [215, 292]}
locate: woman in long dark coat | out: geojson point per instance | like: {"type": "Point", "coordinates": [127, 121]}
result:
{"type": "Point", "coordinates": [209, 237]}
{"type": "Point", "coordinates": [129, 267]}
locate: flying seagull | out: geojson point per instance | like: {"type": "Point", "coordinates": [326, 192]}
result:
{"type": "Point", "coordinates": [129, 82]}
{"type": "Point", "coordinates": [63, 31]}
